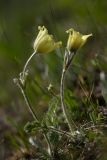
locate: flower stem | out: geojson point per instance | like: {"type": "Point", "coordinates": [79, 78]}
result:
{"type": "Point", "coordinates": [49, 145]}
{"type": "Point", "coordinates": [62, 99]}
{"type": "Point", "coordinates": [31, 110]}
{"type": "Point", "coordinates": [35, 117]}
{"type": "Point", "coordinates": [67, 62]}
{"type": "Point", "coordinates": [27, 62]}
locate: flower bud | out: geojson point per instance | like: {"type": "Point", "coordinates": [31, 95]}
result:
{"type": "Point", "coordinates": [76, 40]}
{"type": "Point", "coordinates": [44, 42]}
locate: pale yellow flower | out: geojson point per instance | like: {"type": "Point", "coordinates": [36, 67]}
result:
{"type": "Point", "coordinates": [44, 42]}
{"type": "Point", "coordinates": [76, 40]}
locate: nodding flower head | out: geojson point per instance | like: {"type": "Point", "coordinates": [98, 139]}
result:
{"type": "Point", "coordinates": [44, 42]}
{"type": "Point", "coordinates": [76, 40]}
